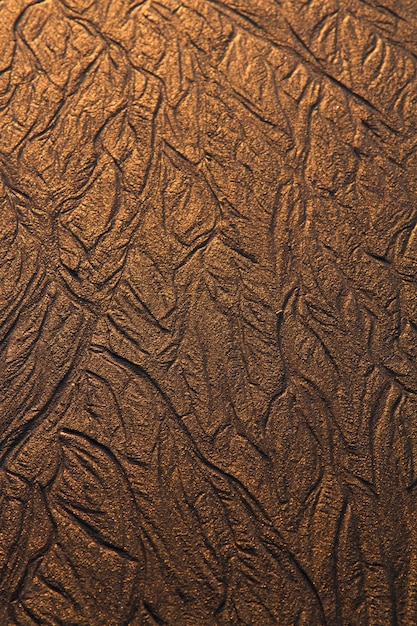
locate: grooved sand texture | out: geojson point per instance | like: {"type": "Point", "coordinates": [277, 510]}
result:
{"type": "Point", "coordinates": [208, 312]}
